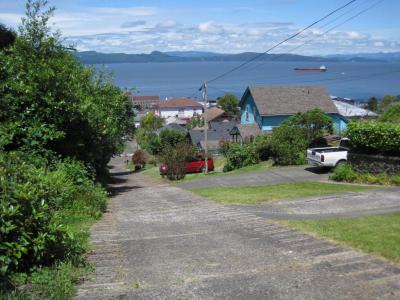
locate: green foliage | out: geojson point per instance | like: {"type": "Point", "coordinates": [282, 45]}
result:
{"type": "Point", "coordinates": [35, 199]}
{"type": "Point", "coordinates": [223, 147]}
{"type": "Point", "coordinates": [288, 145]}
{"type": "Point", "coordinates": [7, 37]}
{"type": "Point", "coordinates": [313, 123]}
{"type": "Point", "coordinates": [347, 173]}
{"type": "Point", "coordinates": [372, 104]}
{"type": "Point", "coordinates": [238, 156]}
{"type": "Point", "coordinates": [149, 141]}
{"type": "Point", "coordinates": [229, 103]}
{"type": "Point", "coordinates": [151, 122]}
{"type": "Point", "coordinates": [50, 102]}
{"type": "Point", "coordinates": [344, 172]}
{"type": "Point", "coordinates": [392, 115]}
{"type": "Point", "coordinates": [375, 137]}
{"type": "Point", "coordinates": [171, 138]}
{"type": "Point", "coordinates": [263, 146]}
{"type": "Point", "coordinates": [195, 121]}
{"type": "Point", "coordinates": [175, 158]}
{"type": "Point", "coordinates": [386, 102]}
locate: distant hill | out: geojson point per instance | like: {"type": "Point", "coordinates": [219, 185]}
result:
{"type": "Point", "coordinates": [93, 57]}
{"type": "Point", "coordinates": [380, 56]}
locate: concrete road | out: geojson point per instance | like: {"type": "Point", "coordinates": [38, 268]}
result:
{"type": "Point", "coordinates": [161, 242]}
{"type": "Point", "coordinates": [345, 205]}
{"type": "Point", "coordinates": [273, 176]}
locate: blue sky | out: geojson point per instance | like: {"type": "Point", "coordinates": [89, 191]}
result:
{"type": "Point", "coordinates": [219, 25]}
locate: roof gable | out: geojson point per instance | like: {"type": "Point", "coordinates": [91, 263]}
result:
{"type": "Point", "coordinates": [289, 100]}
{"type": "Point", "coordinates": [180, 102]}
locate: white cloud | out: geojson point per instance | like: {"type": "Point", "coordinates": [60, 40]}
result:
{"type": "Point", "coordinates": [210, 27]}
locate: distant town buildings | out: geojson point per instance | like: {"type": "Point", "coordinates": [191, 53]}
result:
{"type": "Point", "coordinates": [179, 108]}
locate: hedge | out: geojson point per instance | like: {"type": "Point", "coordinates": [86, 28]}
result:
{"type": "Point", "coordinates": [375, 137]}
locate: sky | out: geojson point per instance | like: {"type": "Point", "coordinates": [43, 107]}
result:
{"type": "Point", "coordinates": [123, 26]}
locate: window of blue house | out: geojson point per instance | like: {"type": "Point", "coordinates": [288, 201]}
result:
{"type": "Point", "coordinates": [247, 113]}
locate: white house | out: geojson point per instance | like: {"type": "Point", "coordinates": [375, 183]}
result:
{"type": "Point", "coordinates": [179, 108]}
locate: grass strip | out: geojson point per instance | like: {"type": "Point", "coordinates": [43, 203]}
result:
{"type": "Point", "coordinates": [377, 235]}
{"type": "Point", "coordinates": [275, 192]}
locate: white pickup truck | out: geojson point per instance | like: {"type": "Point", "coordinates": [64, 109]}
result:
{"type": "Point", "coordinates": [330, 156]}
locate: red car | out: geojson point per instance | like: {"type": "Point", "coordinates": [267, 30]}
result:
{"type": "Point", "coordinates": [192, 167]}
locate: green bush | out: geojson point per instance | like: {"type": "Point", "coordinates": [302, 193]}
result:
{"type": "Point", "coordinates": [313, 124]}
{"type": "Point", "coordinates": [392, 115]}
{"type": "Point", "coordinates": [344, 172]}
{"type": "Point", "coordinates": [239, 156]}
{"type": "Point", "coordinates": [375, 137]}
{"type": "Point", "coordinates": [32, 199]}
{"type": "Point", "coordinates": [176, 158]}
{"type": "Point", "coordinates": [288, 145]}
{"type": "Point", "coordinates": [171, 138]}
{"type": "Point", "coordinates": [263, 146]}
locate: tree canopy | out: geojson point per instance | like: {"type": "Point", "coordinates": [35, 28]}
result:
{"type": "Point", "coordinates": [229, 103]}
{"type": "Point", "coordinates": [313, 124]}
{"type": "Point", "coordinates": [7, 37]}
{"type": "Point", "coordinates": [151, 122]}
{"type": "Point", "coordinates": [53, 105]}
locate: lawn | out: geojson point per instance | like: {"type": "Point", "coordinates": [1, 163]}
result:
{"type": "Point", "coordinates": [377, 235]}
{"type": "Point", "coordinates": [269, 193]}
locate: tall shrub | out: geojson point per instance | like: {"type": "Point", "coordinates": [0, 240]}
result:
{"type": "Point", "coordinates": [171, 137]}
{"type": "Point", "coordinates": [375, 137]}
{"type": "Point", "coordinates": [239, 156]}
{"type": "Point", "coordinates": [288, 145]}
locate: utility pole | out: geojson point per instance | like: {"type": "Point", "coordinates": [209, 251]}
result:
{"type": "Point", "coordinates": [205, 98]}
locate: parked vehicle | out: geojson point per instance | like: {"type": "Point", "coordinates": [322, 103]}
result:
{"type": "Point", "coordinates": [192, 166]}
{"type": "Point", "coordinates": [329, 156]}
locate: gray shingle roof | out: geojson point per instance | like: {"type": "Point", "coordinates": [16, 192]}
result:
{"type": "Point", "coordinates": [247, 131]}
{"type": "Point", "coordinates": [218, 131]}
{"type": "Point", "coordinates": [288, 100]}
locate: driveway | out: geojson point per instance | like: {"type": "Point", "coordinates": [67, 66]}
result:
{"type": "Point", "coordinates": [273, 176]}
{"type": "Point", "coordinates": [161, 242]}
{"type": "Point", "coordinates": [344, 205]}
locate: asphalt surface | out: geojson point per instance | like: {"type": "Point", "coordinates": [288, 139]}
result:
{"type": "Point", "coordinates": [273, 176]}
{"type": "Point", "coordinates": [161, 242]}
{"type": "Point", "coordinates": [344, 205]}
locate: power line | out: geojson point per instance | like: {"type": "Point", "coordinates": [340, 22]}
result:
{"type": "Point", "coordinates": [322, 34]}
{"type": "Point", "coordinates": [337, 79]}
{"type": "Point", "coordinates": [282, 42]}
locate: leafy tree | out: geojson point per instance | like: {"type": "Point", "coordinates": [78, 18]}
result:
{"type": "Point", "coordinates": [7, 37]}
{"type": "Point", "coordinates": [392, 115]}
{"type": "Point", "coordinates": [171, 137]}
{"type": "Point", "coordinates": [386, 102]}
{"type": "Point", "coordinates": [312, 123]}
{"type": "Point", "coordinates": [229, 103]}
{"type": "Point", "coordinates": [372, 104]}
{"type": "Point", "coordinates": [53, 104]}
{"type": "Point", "coordinates": [148, 141]}
{"type": "Point", "coordinates": [151, 122]}
{"type": "Point", "coordinates": [195, 121]}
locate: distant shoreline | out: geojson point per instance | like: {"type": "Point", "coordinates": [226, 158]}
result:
{"type": "Point", "coordinates": [93, 57]}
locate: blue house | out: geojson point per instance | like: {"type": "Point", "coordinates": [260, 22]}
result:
{"type": "Point", "coordinates": [268, 106]}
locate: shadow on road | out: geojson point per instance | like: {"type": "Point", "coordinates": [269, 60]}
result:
{"type": "Point", "coordinates": [117, 190]}
{"type": "Point", "coordinates": [318, 170]}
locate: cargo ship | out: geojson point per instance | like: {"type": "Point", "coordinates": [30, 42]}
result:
{"type": "Point", "coordinates": [320, 69]}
